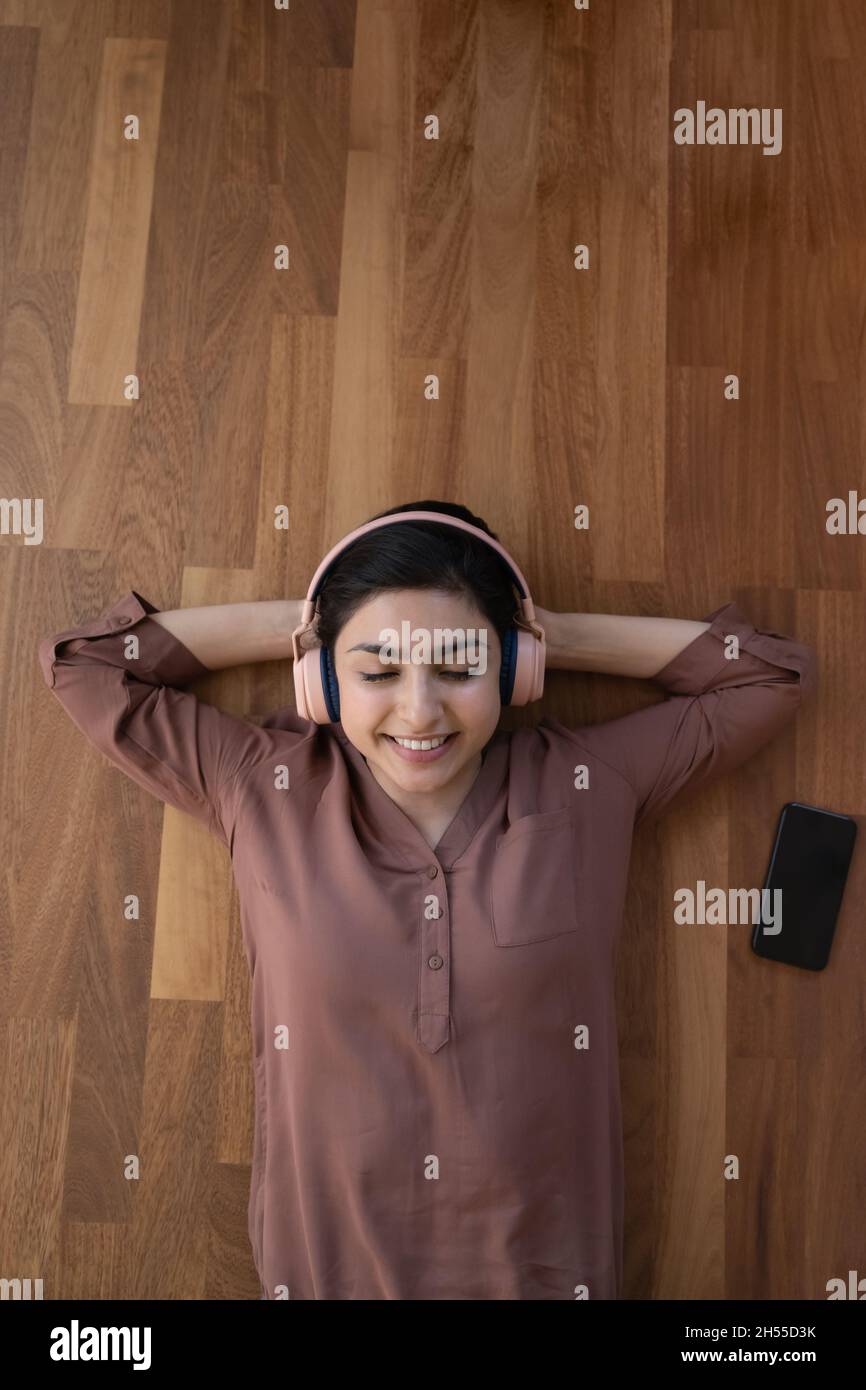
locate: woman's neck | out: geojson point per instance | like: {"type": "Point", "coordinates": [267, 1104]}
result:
{"type": "Point", "coordinates": [432, 812]}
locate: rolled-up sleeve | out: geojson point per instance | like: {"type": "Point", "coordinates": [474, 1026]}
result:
{"type": "Point", "coordinates": [117, 677]}
{"type": "Point", "coordinates": [719, 710]}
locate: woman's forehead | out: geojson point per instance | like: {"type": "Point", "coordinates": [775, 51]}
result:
{"type": "Point", "coordinates": [397, 605]}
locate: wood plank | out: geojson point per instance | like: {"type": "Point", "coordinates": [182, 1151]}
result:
{"type": "Point", "coordinates": [111, 284]}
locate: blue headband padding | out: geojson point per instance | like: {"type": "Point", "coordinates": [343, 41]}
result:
{"type": "Point", "coordinates": [508, 667]}
{"type": "Point", "coordinates": [329, 685]}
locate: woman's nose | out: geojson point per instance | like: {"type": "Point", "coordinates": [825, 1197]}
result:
{"type": "Point", "coordinates": [418, 694]}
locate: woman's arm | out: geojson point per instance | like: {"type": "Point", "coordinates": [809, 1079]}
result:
{"type": "Point", "coordinates": [232, 634]}
{"type": "Point", "coordinates": [618, 646]}
{"type": "Point", "coordinates": [120, 678]}
{"type": "Point", "coordinates": [723, 700]}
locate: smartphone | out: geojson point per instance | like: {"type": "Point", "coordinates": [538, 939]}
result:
{"type": "Point", "coordinates": [804, 886]}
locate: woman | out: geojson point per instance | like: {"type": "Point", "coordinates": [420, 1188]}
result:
{"type": "Point", "coordinates": [430, 932]}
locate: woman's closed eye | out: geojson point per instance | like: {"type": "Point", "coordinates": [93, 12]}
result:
{"type": "Point", "coordinates": [455, 675]}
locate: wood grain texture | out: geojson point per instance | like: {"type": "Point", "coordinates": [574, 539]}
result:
{"type": "Point", "coordinates": [305, 388]}
{"type": "Point", "coordinates": [120, 198]}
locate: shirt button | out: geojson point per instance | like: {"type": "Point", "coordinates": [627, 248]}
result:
{"type": "Point", "coordinates": [435, 962]}
{"type": "Point", "coordinates": [121, 621]}
{"type": "Point", "coordinates": [432, 871]}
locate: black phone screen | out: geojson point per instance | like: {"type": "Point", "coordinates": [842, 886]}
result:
{"type": "Point", "coordinates": [808, 866]}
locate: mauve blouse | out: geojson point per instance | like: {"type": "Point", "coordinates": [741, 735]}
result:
{"type": "Point", "coordinates": [437, 1106]}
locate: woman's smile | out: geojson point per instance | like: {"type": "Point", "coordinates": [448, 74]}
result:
{"type": "Point", "coordinates": [421, 754]}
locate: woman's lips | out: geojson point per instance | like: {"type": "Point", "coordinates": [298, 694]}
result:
{"type": "Point", "coordinates": [420, 755]}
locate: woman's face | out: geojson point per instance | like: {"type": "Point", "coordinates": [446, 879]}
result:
{"type": "Point", "coordinates": [380, 701]}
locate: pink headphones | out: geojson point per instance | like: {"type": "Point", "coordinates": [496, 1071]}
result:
{"type": "Point", "coordinates": [521, 675]}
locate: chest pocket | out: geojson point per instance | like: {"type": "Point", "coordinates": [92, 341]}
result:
{"type": "Point", "coordinates": [533, 893]}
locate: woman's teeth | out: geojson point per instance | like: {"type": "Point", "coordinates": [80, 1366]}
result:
{"type": "Point", "coordinates": [421, 744]}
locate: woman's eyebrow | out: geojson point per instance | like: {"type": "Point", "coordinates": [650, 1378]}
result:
{"type": "Point", "coordinates": [375, 648]}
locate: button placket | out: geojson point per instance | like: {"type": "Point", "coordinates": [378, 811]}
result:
{"type": "Point", "coordinates": [434, 988]}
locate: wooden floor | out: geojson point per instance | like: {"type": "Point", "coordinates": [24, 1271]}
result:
{"type": "Point", "coordinates": [164, 387]}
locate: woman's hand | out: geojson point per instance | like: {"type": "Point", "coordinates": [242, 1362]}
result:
{"type": "Point", "coordinates": [550, 622]}
{"type": "Point", "coordinates": [545, 616]}
{"type": "Point", "coordinates": [308, 641]}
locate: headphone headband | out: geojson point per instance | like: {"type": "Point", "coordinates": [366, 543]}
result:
{"type": "Point", "coordinates": [522, 672]}
{"type": "Point", "coordinates": [334, 553]}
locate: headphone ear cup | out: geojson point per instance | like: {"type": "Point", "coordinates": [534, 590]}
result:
{"type": "Point", "coordinates": [330, 687]}
{"type": "Point", "coordinates": [530, 660]}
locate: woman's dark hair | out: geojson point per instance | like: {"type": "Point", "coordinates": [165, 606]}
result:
{"type": "Point", "coordinates": [417, 555]}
